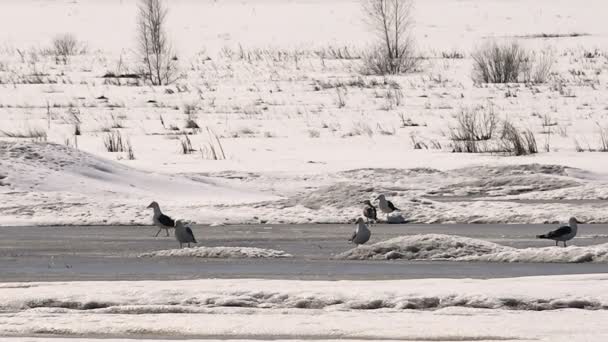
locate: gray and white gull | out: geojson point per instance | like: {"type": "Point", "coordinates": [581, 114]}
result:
{"type": "Point", "coordinates": [183, 234]}
{"type": "Point", "coordinates": [161, 220]}
{"type": "Point", "coordinates": [563, 233]}
{"type": "Point", "coordinates": [362, 233]}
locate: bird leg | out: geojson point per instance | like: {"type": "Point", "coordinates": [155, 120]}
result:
{"type": "Point", "coordinates": [158, 232]}
{"type": "Point", "coordinates": [180, 245]}
{"type": "Point", "coordinates": [556, 243]}
{"type": "Point", "coordinates": [564, 243]}
{"type": "Point", "coordinates": [188, 244]}
{"type": "Point", "coordinates": [167, 231]}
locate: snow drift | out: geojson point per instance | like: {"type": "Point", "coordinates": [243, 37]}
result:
{"type": "Point", "coordinates": [220, 252]}
{"type": "Point", "coordinates": [41, 179]}
{"type": "Point", "coordinates": [458, 248]}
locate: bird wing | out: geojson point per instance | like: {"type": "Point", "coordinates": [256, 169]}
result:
{"type": "Point", "coordinates": [166, 220]}
{"type": "Point", "coordinates": [391, 206]}
{"type": "Point", "coordinates": [561, 231]}
{"type": "Point", "coordinates": [369, 212]}
{"type": "Point", "coordinates": [352, 238]}
{"type": "Point", "coordinates": [189, 231]}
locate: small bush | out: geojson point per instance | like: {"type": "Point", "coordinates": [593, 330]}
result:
{"type": "Point", "coordinates": [473, 126]}
{"type": "Point", "coordinates": [186, 144]}
{"type": "Point", "coordinates": [113, 142]}
{"type": "Point", "coordinates": [499, 63]}
{"type": "Point", "coordinates": [517, 142]}
{"type": "Point", "coordinates": [65, 45]}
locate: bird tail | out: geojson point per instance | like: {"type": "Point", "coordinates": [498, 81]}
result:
{"type": "Point", "coordinates": [543, 236]}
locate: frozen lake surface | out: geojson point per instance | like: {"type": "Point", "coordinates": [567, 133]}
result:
{"type": "Point", "coordinates": [112, 253]}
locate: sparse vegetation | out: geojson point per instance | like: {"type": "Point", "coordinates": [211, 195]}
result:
{"type": "Point", "coordinates": [186, 144]}
{"type": "Point", "coordinates": [114, 142]}
{"type": "Point", "coordinates": [36, 134]}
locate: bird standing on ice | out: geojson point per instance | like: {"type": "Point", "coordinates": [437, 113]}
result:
{"type": "Point", "coordinates": [183, 234]}
{"type": "Point", "coordinates": [563, 233]}
{"type": "Point", "coordinates": [161, 220]}
{"type": "Point", "coordinates": [385, 206]}
{"type": "Point", "coordinates": [369, 211]}
{"type": "Point", "coordinates": [361, 234]}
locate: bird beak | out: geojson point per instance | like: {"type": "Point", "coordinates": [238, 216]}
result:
{"type": "Point", "coordinates": [148, 207]}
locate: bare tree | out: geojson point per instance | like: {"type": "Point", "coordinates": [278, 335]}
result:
{"type": "Point", "coordinates": [392, 22]}
{"type": "Point", "coordinates": [159, 65]}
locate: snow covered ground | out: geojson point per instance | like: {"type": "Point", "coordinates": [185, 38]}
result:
{"type": "Point", "coordinates": [306, 137]}
{"type": "Point", "coordinates": [536, 308]}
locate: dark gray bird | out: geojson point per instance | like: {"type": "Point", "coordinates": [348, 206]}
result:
{"type": "Point", "coordinates": [161, 220]}
{"type": "Point", "coordinates": [361, 234]}
{"type": "Point", "coordinates": [369, 211]}
{"type": "Point", "coordinates": [183, 234]}
{"type": "Point", "coordinates": [563, 233]}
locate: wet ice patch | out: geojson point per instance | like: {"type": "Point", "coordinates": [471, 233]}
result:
{"type": "Point", "coordinates": [220, 253]}
{"type": "Point", "coordinates": [458, 248]}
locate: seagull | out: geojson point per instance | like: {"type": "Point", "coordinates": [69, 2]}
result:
{"type": "Point", "coordinates": [369, 211]}
{"type": "Point", "coordinates": [161, 220]}
{"type": "Point", "coordinates": [183, 234]}
{"type": "Point", "coordinates": [385, 206]}
{"type": "Point", "coordinates": [563, 233]}
{"type": "Point", "coordinates": [361, 234]}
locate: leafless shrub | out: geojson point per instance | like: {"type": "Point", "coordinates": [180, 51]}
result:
{"type": "Point", "coordinates": [539, 66]}
{"type": "Point", "coordinates": [186, 144]}
{"type": "Point", "coordinates": [213, 150]}
{"type": "Point", "coordinates": [603, 138]}
{"type": "Point", "coordinates": [517, 142]}
{"type": "Point", "coordinates": [154, 48]}
{"type": "Point", "coordinates": [499, 62]}
{"type": "Point", "coordinates": [407, 122]}
{"type": "Point", "coordinates": [64, 46]}
{"type": "Point", "coordinates": [453, 54]}
{"type": "Point", "coordinates": [130, 152]}
{"type": "Point", "coordinates": [394, 51]}
{"type": "Point", "coordinates": [417, 144]}
{"type": "Point", "coordinates": [340, 97]}
{"type": "Point", "coordinates": [473, 126]}
{"type": "Point", "coordinates": [113, 142]}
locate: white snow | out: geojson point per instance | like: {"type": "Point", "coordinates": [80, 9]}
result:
{"type": "Point", "coordinates": [531, 308]}
{"type": "Point", "coordinates": [220, 252]}
{"type": "Point", "coordinates": [458, 248]}
{"type": "Point", "coordinates": [277, 117]}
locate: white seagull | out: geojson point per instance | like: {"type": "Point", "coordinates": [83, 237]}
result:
{"type": "Point", "coordinates": [161, 220]}
{"type": "Point", "coordinates": [563, 233]}
{"type": "Point", "coordinates": [361, 234]}
{"type": "Point", "coordinates": [183, 234]}
{"type": "Point", "coordinates": [385, 206]}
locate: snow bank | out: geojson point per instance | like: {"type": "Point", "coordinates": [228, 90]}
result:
{"type": "Point", "coordinates": [424, 247]}
{"type": "Point", "coordinates": [41, 179]}
{"type": "Point", "coordinates": [458, 248]}
{"type": "Point", "coordinates": [220, 252]}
